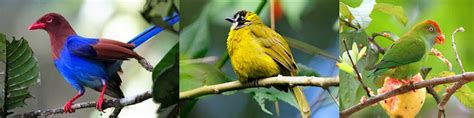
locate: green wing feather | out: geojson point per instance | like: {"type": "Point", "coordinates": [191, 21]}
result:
{"type": "Point", "coordinates": [403, 52]}
{"type": "Point", "coordinates": [276, 47]}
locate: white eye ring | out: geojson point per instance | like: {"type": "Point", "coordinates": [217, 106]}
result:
{"type": "Point", "coordinates": [431, 29]}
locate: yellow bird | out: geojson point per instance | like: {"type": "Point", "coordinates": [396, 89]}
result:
{"type": "Point", "coordinates": [258, 52]}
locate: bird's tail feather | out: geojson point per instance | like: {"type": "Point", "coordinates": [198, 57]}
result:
{"type": "Point", "coordinates": [152, 31]}
{"type": "Point", "coordinates": [305, 110]}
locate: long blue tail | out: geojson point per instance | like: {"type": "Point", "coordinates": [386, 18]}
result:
{"type": "Point", "coordinates": [152, 31]}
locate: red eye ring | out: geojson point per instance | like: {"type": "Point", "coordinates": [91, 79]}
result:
{"type": "Point", "coordinates": [49, 19]}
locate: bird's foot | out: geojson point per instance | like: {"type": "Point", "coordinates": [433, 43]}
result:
{"type": "Point", "coordinates": [145, 64]}
{"type": "Point", "coordinates": [99, 104]}
{"type": "Point", "coordinates": [67, 107]}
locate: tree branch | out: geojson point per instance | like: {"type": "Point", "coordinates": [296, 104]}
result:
{"type": "Point", "coordinates": [323, 82]}
{"type": "Point", "coordinates": [117, 103]}
{"type": "Point", "coordinates": [468, 76]}
{"type": "Point", "coordinates": [451, 90]}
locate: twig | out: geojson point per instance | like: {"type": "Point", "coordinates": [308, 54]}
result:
{"type": "Point", "coordinates": [433, 93]}
{"type": "Point", "coordinates": [323, 82]}
{"type": "Point", "coordinates": [461, 29]}
{"type": "Point", "coordinates": [333, 97]}
{"type": "Point", "coordinates": [379, 48]}
{"type": "Point", "coordinates": [468, 76]}
{"type": "Point", "coordinates": [451, 90]}
{"type": "Point", "coordinates": [359, 78]}
{"type": "Point", "coordinates": [107, 104]}
{"type": "Point", "coordinates": [348, 23]}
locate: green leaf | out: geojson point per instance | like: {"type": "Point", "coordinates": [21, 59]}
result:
{"type": "Point", "coordinates": [156, 10]}
{"type": "Point", "coordinates": [3, 47]}
{"type": "Point", "coordinates": [352, 91]}
{"type": "Point", "coordinates": [194, 39]}
{"type": "Point", "coordinates": [199, 74]}
{"type": "Point", "coordinates": [305, 47]}
{"type": "Point", "coordinates": [351, 3]}
{"type": "Point", "coordinates": [165, 79]}
{"type": "Point", "coordinates": [465, 95]}
{"type": "Point", "coordinates": [394, 10]}
{"type": "Point", "coordinates": [345, 12]}
{"type": "Point", "coordinates": [22, 71]}
{"type": "Point", "coordinates": [261, 95]}
{"type": "Point", "coordinates": [306, 71]}
{"type": "Point", "coordinates": [196, 75]}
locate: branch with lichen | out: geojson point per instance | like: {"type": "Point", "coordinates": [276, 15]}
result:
{"type": "Point", "coordinates": [323, 82]}
{"type": "Point", "coordinates": [116, 103]}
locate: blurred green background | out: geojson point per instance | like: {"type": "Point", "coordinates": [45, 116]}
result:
{"type": "Point", "coordinates": [113, 19]}
{"type": "Point", "coordinates": [204, 34]}
{"type": "Point", "coordinates": [449, 14]}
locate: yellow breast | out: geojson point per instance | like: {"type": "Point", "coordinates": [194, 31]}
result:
{"type": "Point", "coordinates": [248, 58]}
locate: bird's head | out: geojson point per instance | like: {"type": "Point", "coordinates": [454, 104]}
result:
{"type": "Point", "coordinates": [50, 22]}
{"type": "Point", "coordinates": [243, 18]}
{"type": "Point", "coordinates": [431, 30]}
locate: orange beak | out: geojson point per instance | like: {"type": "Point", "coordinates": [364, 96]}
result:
{"type": "Point", "coordinates": [37, 25]}
{"type": "Point", "coordinates": [439, 39]}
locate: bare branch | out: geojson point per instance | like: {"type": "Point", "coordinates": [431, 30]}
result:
{"type": "Point", "coordinates": [117, 103]}
{"type": "Point", "coordinates": [468, 76]}
{"type": "Point", "coordinates": [454, 48]}
{"type": "Point", "coordinates": [323, 82]}
{"type": "Point", "coordinates": [451, 90]}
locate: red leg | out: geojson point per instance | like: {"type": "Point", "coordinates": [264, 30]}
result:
{"type": "Point", "coordinates": [67, 106]}
{"type": "Point", "coordinates": [101, 97]}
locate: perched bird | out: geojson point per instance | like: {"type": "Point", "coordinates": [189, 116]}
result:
{"type": "Point", "coordinates": [404, 57]}
{"type": "Point", "coordinates": [257, 52]}
{"type": "Point", "coordinates": [90, 62]}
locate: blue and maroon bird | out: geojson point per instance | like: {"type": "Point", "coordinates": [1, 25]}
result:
{"type": "Point", "coordinates": [89, 62]}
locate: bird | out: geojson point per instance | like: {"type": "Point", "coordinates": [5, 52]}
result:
{"type": "Point", "coordinates": [258, 52]}
{"type": "Point", "coordinates": [405, 56]}
{"type": "Point", "coordinates": [91, 62]}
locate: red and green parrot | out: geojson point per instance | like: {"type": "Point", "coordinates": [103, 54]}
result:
{"type": "Point", "coordinates": [404, 58]}
{"type": "Point", "coordinates": [91, 62]}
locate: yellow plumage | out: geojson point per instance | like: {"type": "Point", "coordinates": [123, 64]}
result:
{"type": "Point", "coordinates": [257, 52]}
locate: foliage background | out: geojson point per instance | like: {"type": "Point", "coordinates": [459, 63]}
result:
{"type": "Point", "coordinates": [113, 19]}
{"type": "Point", "coordinates": [310, 21]}
{"type": "Point", "coordinates": [449, 14]}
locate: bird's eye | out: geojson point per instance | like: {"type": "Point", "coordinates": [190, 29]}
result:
{"type": "Point", "coordinates": [430, 29]}
{"type": "Point", "coordinates": [49, 19]}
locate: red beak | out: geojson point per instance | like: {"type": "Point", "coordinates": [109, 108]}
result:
{"type": "Point", "coordinates": [439, 39]}
{"type": "Point", "coordinates": [37, 25]}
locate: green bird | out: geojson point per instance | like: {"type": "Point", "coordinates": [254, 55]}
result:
{"type": "Point", "coordinates": [404, 57]}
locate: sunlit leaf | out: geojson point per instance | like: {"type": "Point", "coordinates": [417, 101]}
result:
{"type": "Point", "coordinates": [261, 95]}
{"type": "Point", "coordinates": [199, 74]}
{"type": "Point", "coordinates": [465, 95]}
{"type": "Point", "coordinates": [394, 10]}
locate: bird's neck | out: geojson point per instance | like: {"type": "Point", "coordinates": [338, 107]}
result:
{"type": "Point", "coordinates": [58, 38]}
